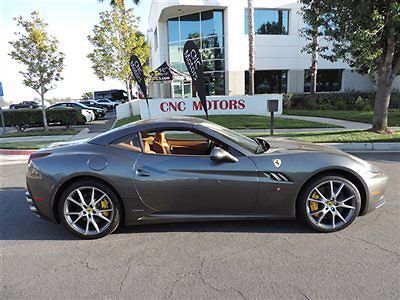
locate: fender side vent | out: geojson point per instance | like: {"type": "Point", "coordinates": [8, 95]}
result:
{"type": "Point", "coordinates": [276, 176]}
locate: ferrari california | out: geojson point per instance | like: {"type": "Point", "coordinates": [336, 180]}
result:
{"type": "Point", "coordinates": [188, 169]}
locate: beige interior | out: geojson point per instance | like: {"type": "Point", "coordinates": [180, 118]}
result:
{"type": "Point", "coordinates": [159, 144]}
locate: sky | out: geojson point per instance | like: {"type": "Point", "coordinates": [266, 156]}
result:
{"type": "Point", "coordinates": [71, 21]}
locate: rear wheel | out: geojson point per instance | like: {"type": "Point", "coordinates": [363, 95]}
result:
{"type": "Point", "coordinates": [89, 209]}
{"type": "Point", "coordinates": [329, 204]}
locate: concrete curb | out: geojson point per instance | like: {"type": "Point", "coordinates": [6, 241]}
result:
{"type": "Point", "coordinates": [115, 122]}
{"type": "Point", "coordinates": [16, 152]}
{"type": "Point", "coordinates": [394, 147]}
{"type": "Point", "coordinates": [79, 135]}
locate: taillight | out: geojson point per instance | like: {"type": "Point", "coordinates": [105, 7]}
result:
{"type": "Point", "coordinates": [35, 155]}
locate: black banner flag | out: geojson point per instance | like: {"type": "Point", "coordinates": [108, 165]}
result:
{"type": "Point", "coordinates": [137, 71]}
{"type": "Point", "coordinates": [192, 58]}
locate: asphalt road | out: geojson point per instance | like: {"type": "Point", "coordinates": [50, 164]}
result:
{"type": "Point", "coordinates": [227, 260]}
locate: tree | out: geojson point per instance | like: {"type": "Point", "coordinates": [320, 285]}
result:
{"type": "Point", "coordinates": [114, 40]}
{"type": "Point", "coordinates": [112, 2]}
{"type": "Point", "coordinates": [312, 11]}
{"type": "Point", "coordinates": [38, 51]}
{"type": "Point", "coordinates": [251, 47]}
{"type": "Point", "coordinates": [366, 35]}
{"type": "Point", "coordinates": [87, 96]}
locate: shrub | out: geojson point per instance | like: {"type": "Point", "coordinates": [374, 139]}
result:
{"type": "Point", "coordinates": [27, 118]}
{"type": "Point", "coordinates": [337, 101]}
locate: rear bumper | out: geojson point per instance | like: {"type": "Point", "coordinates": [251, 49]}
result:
{"type": "Point", "coordinates": [32, 205]}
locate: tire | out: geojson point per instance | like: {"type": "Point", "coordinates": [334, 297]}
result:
{"type": "Point", "coordinates": [75, 216]}
{"type": "Point", "coordinates": [327, 211]}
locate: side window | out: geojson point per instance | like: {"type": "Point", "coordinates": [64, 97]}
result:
{"type": "Point", "coordinates": [177, 142]}
{"type": "Point", "coordinates": [130, 142]}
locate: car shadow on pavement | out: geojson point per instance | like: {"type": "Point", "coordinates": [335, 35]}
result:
{"type": "Point", "coordinates": [250, 226]}
{"type": "Point", "coordinates": [18, 223]}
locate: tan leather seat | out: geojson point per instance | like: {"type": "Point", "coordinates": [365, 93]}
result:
{"type": "Point", "coordinates": [160, 144]}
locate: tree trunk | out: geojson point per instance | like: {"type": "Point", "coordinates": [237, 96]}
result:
{"type": "Point", "coordinates": [251, 47]}
{"type": "Point", "coordinates": [314, 62]}
{"type": "Point", "coordinates": [45, 126]}
{"type": "Point", "coordinates": [384, 88]}
{"type": "Point", "coordinates": [381, 106]}
{"type": "Point", "coordinates": [129, 91]}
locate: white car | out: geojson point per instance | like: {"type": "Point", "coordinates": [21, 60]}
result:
{"type": "Point", "coordinates": [88, 114]}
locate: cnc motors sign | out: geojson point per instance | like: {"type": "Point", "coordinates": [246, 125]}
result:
{"type": "Point", "coordinates": [216, 105]}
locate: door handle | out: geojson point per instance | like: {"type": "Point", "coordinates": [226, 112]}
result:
{"type": "Point", "coordinates": [141, 173]}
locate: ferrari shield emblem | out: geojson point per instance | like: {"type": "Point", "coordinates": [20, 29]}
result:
{"type": "Point", "coordinates": [277, 162]}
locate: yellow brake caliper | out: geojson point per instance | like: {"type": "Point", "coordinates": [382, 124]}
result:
{"type": "Point", "coordinates": [104, 205]}
{"type": "Point", "coordinates": [314, 205]}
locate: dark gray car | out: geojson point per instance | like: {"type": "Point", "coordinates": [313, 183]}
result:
{"type": "Point", "coordinates": [185, 169]}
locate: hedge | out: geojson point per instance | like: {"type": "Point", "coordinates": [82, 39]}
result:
{"type": "Point", "coordinates": [337, 101]}
{"type": "Point", "coordinates": [27, 118]}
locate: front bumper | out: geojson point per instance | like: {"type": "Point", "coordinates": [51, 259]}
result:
{"type": "Point", "coordinates": [376, 189]}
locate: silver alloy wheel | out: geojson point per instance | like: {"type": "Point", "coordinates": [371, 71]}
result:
{"type": "Point", "coordinates": [84, 213]}
{"type": "Point", "coordinates": [331, 204]}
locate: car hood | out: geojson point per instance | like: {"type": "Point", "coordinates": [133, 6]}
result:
{"type": "Point", "coordinates": [287, 145]}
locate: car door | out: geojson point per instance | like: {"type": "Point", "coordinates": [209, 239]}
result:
{"type": "Point", "coordinates": [195, 184]}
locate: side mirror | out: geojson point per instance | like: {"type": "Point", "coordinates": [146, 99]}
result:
{"type": "Point", "coordinates": [220, 155]}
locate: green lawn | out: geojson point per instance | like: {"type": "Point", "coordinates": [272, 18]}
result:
{"type": "Point", "coordinates": [125, 121]}
{"type": "Point", "coordinates": [25, 145]}
{"type": "Point", "coordinates": [349, 115]}
{"type": "Point", "coordinates": [248, 122]}
{"type": "Point", "coordinates": [41, 133]}
{"type": "Point", "coordinates": [348, 136]}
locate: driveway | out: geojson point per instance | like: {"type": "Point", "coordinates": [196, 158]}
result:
{"type": "Point", "coordinates": [227, 260]}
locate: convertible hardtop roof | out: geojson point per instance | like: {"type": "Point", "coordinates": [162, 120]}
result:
{"type": "Point", "coordinates": [122, 131]}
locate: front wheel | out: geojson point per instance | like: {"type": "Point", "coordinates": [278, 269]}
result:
{"type": "Point", "coordinates": [329, 204]}
{"type": "Point", "coordinates": [89, 209]}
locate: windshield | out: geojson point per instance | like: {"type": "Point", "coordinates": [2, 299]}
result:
{"type": "Point", "coordinates": [253, 145]}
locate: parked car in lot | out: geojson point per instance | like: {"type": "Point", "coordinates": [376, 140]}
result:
{"type": "Point", "coordinates": [88, 115]}
{"type": "Point", "coordinates": [98, 113]}
{"type": "Point", "coordinates": [112, 104]}
{"type": "Point", "coordinates": [188, 169]}
{"type": "Point", "coordinates": [94, 103]}
{"type": "Point", "coordinates": [25, 104]}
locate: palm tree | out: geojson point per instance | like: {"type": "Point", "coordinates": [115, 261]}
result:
{"type": "Point", "coordinates": [251, 47]}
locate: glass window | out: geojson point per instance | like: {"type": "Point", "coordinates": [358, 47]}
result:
{"type": "Point", "coordinates": [187, 89]}
{"type": "Point", "coordinates": [177, 142]}
{"type": "Point", "coordinates": [267, 82]}
{"type": "Point", "coordinates": [177, 89]}
{"type": "Point", "coordinates": [215, 53]}
{"type": "Point", "coordinates": [327, 80]}
{"type": "Point", "coordinates": [269, 21]}
{"type": "Point", "coordinates": [173, 29]}
{"type": "Point", "coordinates": [213, 65]}
{"type": "Point", "coordinates": [190, 26]}
{"type": "Point", "coordinates": [131, 142]}
{"type": "Point", "coordinates": [215, 83]}
{"type": "Point", "coordinates": [206, 30]}
{"type": "Point", "coordinates": [212, 42]}
{"type": "Point", "coordinates": [211, 23]}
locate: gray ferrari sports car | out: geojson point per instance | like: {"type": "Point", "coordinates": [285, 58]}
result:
{"type": "Point", "coordinates": [188, 169]}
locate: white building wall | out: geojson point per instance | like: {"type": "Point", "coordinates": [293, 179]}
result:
{"type": "Point", "coordinates": [272, 52]}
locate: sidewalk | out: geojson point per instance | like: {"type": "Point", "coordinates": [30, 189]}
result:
{"type": "Point", "coordinates": [347, 125]}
